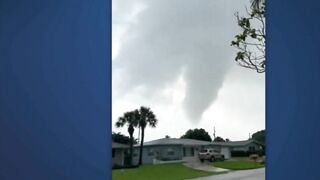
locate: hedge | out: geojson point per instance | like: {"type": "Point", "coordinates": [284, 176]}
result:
{"type": "Point", "coordinates": [246, 153]}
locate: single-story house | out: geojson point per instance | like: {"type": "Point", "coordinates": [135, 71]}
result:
{"type": "Point", "coordinates": [119, 152]}
{"type": "Point", "coordinates": [174, 149]}
{"type": "Point", "coordinates": [248, 145]}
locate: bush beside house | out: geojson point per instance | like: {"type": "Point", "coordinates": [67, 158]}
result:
{"type": "Point", "coordinates": [241, 153]}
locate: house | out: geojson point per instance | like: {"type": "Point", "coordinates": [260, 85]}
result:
{"type": "Point", "coordinates": [119, 152]}
{"type": "Point", "coordinates": [173, 149]}
{"type": "Point", "coordinates": [246, 146]}
{"type": "Point", "coordinates": [179, 150]}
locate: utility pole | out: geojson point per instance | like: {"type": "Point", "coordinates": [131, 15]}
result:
{"type": "Point", "coordinates": [214, 133]}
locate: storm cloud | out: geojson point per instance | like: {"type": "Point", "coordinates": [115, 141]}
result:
{"type": "Point", "coordinates": [171, 39]}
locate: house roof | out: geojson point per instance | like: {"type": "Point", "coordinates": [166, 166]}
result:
{"type": "Point", "coordinates": [193, 142]}
{"type": "Point", "coordinates": [240, 143]}
{"type": "Point", "coordinates": [175, 141]}
{"type": "Point", "coordinates": [116, 145]}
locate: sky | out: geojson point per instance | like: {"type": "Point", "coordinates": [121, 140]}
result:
{"type": "Point", "coordinates": [174, 56]}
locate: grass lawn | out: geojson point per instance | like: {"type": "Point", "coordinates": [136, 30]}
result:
{"type": "Point", "coordinates": [158, 172]}
{"type": "Point", "coordinates": [237, 165]}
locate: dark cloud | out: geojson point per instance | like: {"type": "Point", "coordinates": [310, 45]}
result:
{"type": "Point", "coordinates": [174, 38]}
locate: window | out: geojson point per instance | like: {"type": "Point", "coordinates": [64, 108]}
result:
{"type": "Point", "coordinates": [151, 152]}
{"type": "Point", "coordinates": [170, 151]}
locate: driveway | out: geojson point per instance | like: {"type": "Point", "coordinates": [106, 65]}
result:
{"type": "Point", "coordinates": [195, 163]}
{"type": "Point", "coordinates": [255, 174]}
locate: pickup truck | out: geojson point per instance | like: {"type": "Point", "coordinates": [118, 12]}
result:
{"type": "Point", "coordinates": [210, 154]}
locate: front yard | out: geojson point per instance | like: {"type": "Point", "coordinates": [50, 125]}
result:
{"type": "Point", "coordinates": [158, 172]}
{"type": "Point", "coordinates": [237, 164]}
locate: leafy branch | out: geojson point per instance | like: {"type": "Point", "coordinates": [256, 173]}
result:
{"type": "Point", "coordinates": [250, 42]}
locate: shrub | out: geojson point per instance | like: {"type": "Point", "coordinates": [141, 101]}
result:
{"type": "Point", "coordinates": [246, 153]}
{"type": "Point", "coordinates": [254, 157]}
{"type": "Point", "coordinates": [261, 152]}
{"type": "Point", "coordinates": [239, 154]}
{"type": "Point", "coordinates": [168, 159]}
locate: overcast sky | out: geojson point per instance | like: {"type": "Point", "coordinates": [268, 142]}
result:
{"type": "Point", "coordinates": [174, 56]}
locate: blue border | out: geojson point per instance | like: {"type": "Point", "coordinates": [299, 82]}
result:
{"type": "Point", "coordinates": [293, 99]}
{"type": "Point", "coordinates": [55, 89]}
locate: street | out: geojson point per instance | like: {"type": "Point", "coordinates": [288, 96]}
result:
{"type": "Point", "coordinates": [256, 174]}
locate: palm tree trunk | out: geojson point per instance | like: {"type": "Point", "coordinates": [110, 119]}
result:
{"type": "Point", "coordinates": [131, 149]}
{"type": "Point", "coordinates": [141, 146]}
{"type": "Point", "coordinates": [139, 135]}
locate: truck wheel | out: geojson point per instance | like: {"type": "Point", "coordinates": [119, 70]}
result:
{"type": "Point", "coordinates": [201, 160]}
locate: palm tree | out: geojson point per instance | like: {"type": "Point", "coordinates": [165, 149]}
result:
{"type": "Point", "coordinates": [131, 119]}
{"type": "Point", "coordinates": [146, 118]}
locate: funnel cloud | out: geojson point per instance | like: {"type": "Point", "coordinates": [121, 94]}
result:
{"type": "Point", "coordinates": [158, 43]}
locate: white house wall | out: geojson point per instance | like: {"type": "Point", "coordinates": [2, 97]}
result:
{"type": "Point", "coordinates": [159, 152]}
{"type": "Point", "coordinates": [226, 152]}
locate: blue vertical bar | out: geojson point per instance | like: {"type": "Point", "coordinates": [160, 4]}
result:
{"type": "Point", "coordinates": [293, 86]}
{"type": "Point", "coordinates": [55, 89]}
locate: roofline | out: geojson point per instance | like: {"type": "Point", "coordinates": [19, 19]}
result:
{"type": "Point", "coordinates": [229, 144]}
{"type": "Point", "coordinates": [158, 145]}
